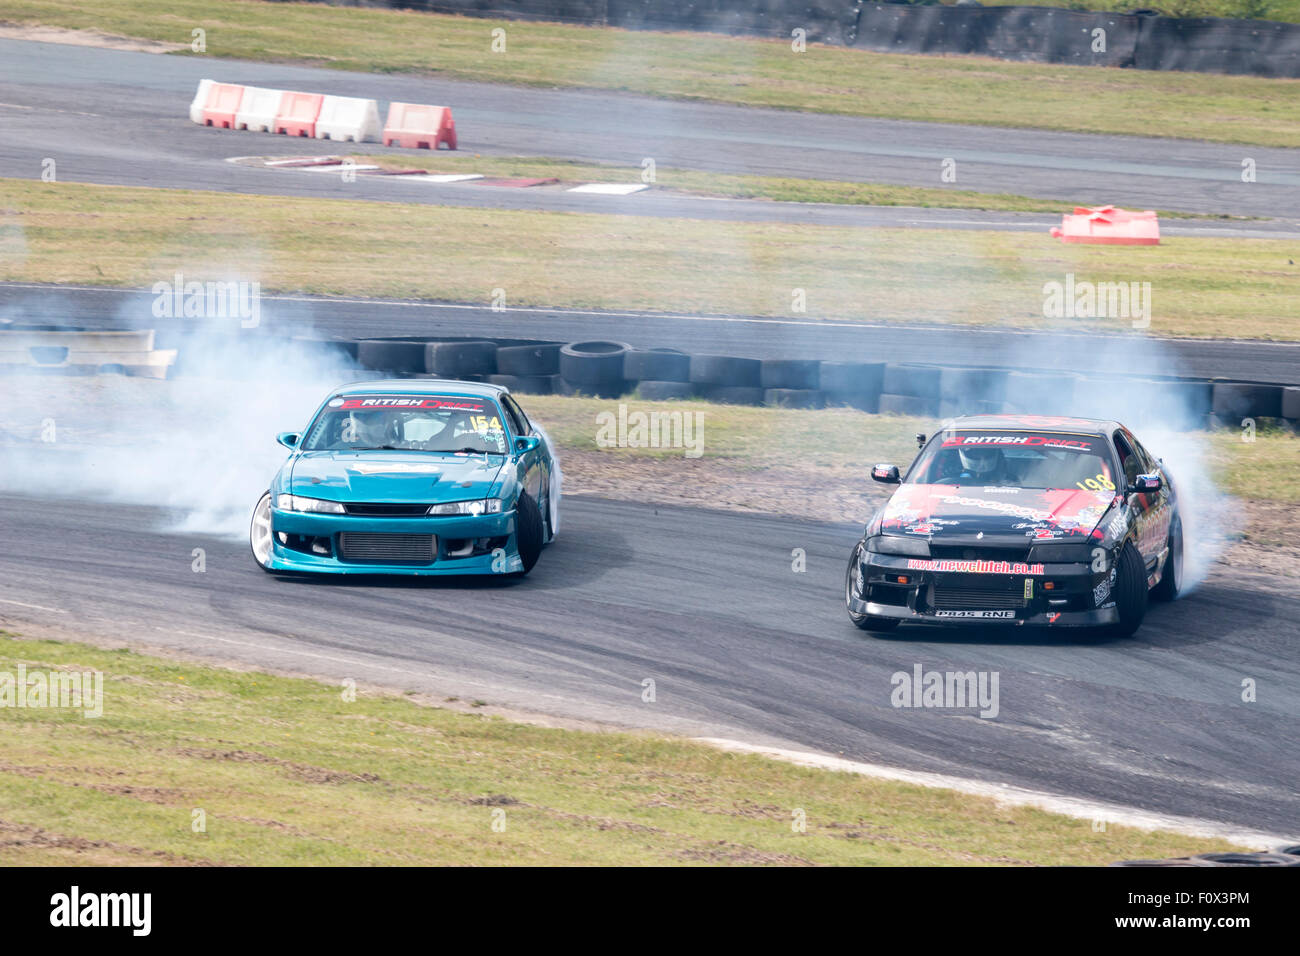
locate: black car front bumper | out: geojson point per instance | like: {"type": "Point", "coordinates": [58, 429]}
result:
{"type": "Point", "coordinates": [918, 591]}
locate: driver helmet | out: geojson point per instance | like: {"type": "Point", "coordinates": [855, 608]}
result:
{"type": "Point", "coordinates": [366, 428]}
{"type": "Point", "coordinates": [980, 460]}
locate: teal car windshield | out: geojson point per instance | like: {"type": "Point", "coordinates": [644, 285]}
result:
{"type": "Point", "coordinates": [429, 423]}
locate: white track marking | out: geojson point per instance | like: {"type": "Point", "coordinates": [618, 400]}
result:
{"type": "Point", "coordinates": [36, 607]}
{"type": "Point", "coordinates": [1007, 795]}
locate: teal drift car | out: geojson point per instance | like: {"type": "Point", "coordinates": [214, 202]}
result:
{"type": "Point", "coordinates": [411, 477]}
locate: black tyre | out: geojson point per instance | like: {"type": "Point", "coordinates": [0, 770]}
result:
{"type": "Point", "coordinates": [791, 373]}
{"type": "Point", "coordinates": [664, 391]}
{"type": "Point", "coordinates": [726, 370]}
{"type": "Point", "coordinates": [973, 384]}
{"type": "Point", "coordinates": [524, 384]}
{"type": "Point", "coordinates": [921, 381]}
{"type": "Point", "coordinates": [388, 356]}
{"type": "Point", "coordinates": [657, 365]}
{"type": "Point", "coordinates": [530, 533]}
{"type": "Point", "coordinates": [1171, 579]}
{"type": "Point", "coordinates": [460, 359]}
{"type": "Point", "coordinates": [1130, 592]}
{"type": "Point", "coordinates": [1234, 401]}
{"type": "Point", "coordinates": [528, 360]}
{"type": "Point", "coordinates": [598, 365]}
{"type": "Point", "coordinates": [852, 380]}
{"type": "Point", "coordinates": [852, 583]}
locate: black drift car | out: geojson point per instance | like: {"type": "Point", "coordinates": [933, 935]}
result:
{"type": "Point", "coordinates": [1012, 519]}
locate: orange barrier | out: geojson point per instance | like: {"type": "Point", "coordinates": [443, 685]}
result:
{"type": "Point", "coordinates": [415, 126]}
{"type": "Point", "coordinates": [298, 114]}
{"type": "Point", "coordinates": [1108, 225]}
{"type": "Point", "coordinates": [222, 104]}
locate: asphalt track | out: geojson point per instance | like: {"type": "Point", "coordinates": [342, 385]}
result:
{"type": "Point", "coordinates": [738, 645]}
{"type": "Point", "coordinates": [748, 336]}
{"type": "Point", "coordinates": [76, 105]}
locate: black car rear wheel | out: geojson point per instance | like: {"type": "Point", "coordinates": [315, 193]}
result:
{"type": "Point", "coordinates": [852, 586]}
{"type": "Point", "coordinates": [1130, 591]}
{"type": "Point", "coordinates": [1171, 579]}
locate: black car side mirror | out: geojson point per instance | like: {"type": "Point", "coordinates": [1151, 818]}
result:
{"type": "Point", "coordinates": [1146, 484]}
{"type": "Point", "coordinates": [887, 474]}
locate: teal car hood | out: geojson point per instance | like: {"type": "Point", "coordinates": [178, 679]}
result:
{"type": "Point", "coordinates": [393, 477]}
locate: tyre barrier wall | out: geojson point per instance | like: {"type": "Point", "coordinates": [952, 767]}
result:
{"type": "Point", "coordinates": [1038, 34]}
{"type": "Point", "coordinates": [614, 369]}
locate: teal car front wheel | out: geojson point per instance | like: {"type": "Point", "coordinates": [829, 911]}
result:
{"type": "Point", "coordinates": [259, 533]}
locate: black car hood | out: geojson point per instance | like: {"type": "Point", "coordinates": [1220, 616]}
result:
{"type": "Point", "coordinates": [952, 512]}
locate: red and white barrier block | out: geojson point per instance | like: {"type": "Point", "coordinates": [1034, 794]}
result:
{"type": "Point", "coordinates": [1108, 225]}
{"type": "Point", "coordinates": [259, 110]}
{"type": "Point", "coordinates": [221, 102]}
{"type": "Point", "coordinates": [417, 126]}
{"type": "Point", "coordinates": [348, 118]}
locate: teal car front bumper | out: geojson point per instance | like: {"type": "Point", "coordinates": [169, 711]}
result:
{"type": "Point", "coordinates": [353, 544]}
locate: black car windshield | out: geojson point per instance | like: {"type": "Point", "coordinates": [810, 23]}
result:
{"type": "Point", "coordinates": [428, 423]}
{"type": "Point", "coordinates": [1021, 459]}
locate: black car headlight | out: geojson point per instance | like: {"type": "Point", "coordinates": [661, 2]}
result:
{"type": "Point", "coordinates": [895, 544]}
{"type": "Point", "coordinates": [1057, 553]}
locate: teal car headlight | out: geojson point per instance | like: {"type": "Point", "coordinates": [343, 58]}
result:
{"type": "Point", "coordinates": [896, 544]}
{"type": "Point", "coordinates": [483, 506]}
{"type": "Point", "coordinates": [311, 505]}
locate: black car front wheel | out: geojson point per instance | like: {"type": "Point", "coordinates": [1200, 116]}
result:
{"type": "Point", "coordinates": [530, 533]}
{"type": "Point", "coordinates": [852, 586]}
{"type": "Point", "coordinates": [1130, 591]}
{"type": "Point", "coordinates": [1171, 579]}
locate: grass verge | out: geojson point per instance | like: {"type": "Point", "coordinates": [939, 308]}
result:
{"type": "Point", "coordinates": [728, 186]}
{"type": "Point", "coordinates": [286, 772]}
{"type": "Point", "coordinates": [135, 236]}
{"type": "Point", "coordinates": [697, 66]}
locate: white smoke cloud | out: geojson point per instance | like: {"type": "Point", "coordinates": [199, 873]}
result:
{"type": "Point", "coordinates": [202, 444]}
{"type": "Point", "coordinates": [1124, 378]}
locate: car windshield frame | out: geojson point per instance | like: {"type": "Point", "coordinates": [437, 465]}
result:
{"type": "Point", "coordinates": [1100, 447]}
{"type": "Point", "coordinates": [338, 403]}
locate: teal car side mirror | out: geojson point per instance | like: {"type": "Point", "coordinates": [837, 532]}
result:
{"type": "Point", "coordinates": [288, 439]}
{"type": "Point", "coordinates": [526, 443]}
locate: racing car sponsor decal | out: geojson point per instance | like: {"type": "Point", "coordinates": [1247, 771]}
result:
{"type": "Point", "coordinates": [413, 401]}
{"type": "Point", "coordinates": [972, 566]}
{"type": "Point", "coordinates": [976, 614]}
{"type": "Point", "coordinates": [1021, 441]}
{"type": "Point", "coordinates": [1067, 512]}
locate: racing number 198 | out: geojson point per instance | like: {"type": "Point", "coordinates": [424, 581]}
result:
{"type": "Point", "coordinates": [1096, 483]}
